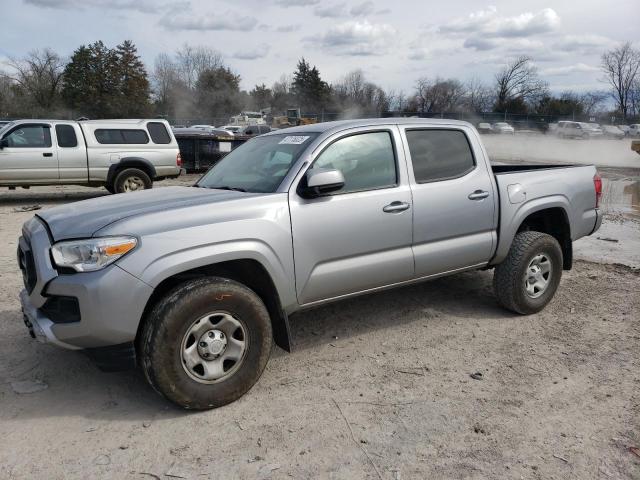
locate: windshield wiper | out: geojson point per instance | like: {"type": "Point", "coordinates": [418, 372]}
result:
{"type": "Point", "coordinates": [227, 187]}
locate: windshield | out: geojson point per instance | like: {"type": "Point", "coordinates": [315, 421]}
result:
{"type": "Point", "coordinates": [259, 165]}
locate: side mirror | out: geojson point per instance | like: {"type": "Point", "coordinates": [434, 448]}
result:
{"type": "Point", "coordinates": [321, 181]}
{"type": "Point", "coordinates": [4, 143]}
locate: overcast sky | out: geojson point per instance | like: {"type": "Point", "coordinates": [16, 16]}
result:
{"type": "Point", "coordinates": [394, 43]}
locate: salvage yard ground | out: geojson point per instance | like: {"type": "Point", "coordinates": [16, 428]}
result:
{"type": "Point", "coordinates": [379, 386]}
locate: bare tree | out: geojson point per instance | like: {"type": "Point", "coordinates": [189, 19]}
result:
{"type": "Point", "coordinates": [634, 98]}
{"type": "Point", "coordinates": [439, 95]}
{"type": "Point", "coordinates": [192, 61]}
{"type": "Point", "coordinates": [592, 101]}
{"type": "Point", "coordinates": [620, 67]}
{"type": "Point", "coordinates": [478, 97]}
{"type": "Point", "coordinates": [519, 80]}
{"type": "Point", "coordinates": [361, 97]}
{"type": "Point", "coordinates": [38, 77]}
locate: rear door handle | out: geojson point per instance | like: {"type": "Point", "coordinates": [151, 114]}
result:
{"type": "Point", "coordinates": [395, 207]}
{"type": "Point", "coordinates": [478, 195]}
{"type": "Point", "coordinates": [47, 154]}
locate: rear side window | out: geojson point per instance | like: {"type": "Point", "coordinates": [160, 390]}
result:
{"type": "Point", "coordinates": [158, 133]}
{"type": "Point", "coordinates": [66, 135]}
{"type": "Point", "coordinates": [439, 154]}
{"type": "Point", "coordinates": [30, 136]}
{"type": "Point", "coordinates": [111, 136]}
{"type": "Point", "coordinates": [366, 160]}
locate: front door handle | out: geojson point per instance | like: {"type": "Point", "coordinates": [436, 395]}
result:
{"type": "Point", "coordinates": [478, 195]}
{"type": "Point", "coordinates": [395, 207]}
{"type": "Point", "coordinates": [47, 154]}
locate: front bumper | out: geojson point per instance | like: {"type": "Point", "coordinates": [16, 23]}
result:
{"type": "Point", "coordinates": [110, 301]}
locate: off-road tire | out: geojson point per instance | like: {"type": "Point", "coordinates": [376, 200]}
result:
{"type": "Point", "coordinates": [126, 175]}
{"type": "Point", "coordinates": [509, 276]}
{"type": "Point", "coordinates": [161, 337]}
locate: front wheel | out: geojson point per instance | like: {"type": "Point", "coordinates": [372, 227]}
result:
{"type": "Point", "coordinates": [526, 281]}
{"type": "Point", "coordinates": [206, 343]}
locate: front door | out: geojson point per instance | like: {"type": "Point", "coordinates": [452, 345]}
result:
{"type": "Point", "coordinates": [454, 202]}
{"type": "Point", "coordinates": [28, 157]}
{"type": "Point", "coordinates": [358, 238]}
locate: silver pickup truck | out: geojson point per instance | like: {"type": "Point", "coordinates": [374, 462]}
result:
{"type": "Point", "coordinates": [121, 155]}
{"type": "Point", "coordinates": [194, 284]}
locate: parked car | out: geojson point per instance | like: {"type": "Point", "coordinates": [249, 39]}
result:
{"type": "Point", "coordinates": [570, 129]}
{"type": "Point", "coordinates": [253, 130]}
{"type": "Point", "coordinates": [195, 283]}
{"type": "Point", "coordinates": [121, 155]}
{"type": "Point", "coordinates": [624, 128]}
{"type": "Point", "coordinates": [595, 128]}
{"type": "Point", "coordinates": [634, 130]}
{"type": "Point", "coordinates": [484, 127]}
{"type": "Point", "coordinates": [502, 127]}
{"type": "Point", "coordinates": [611, 131]}
{"type": "Point", "coordinates": [234, 129]}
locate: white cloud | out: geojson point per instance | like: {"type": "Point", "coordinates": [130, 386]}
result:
{"type": "Point", "coordinates": [225, 21]}
{"type": "Point", "coordinates": [490, 23]}
{"type": "Point", "coordinates": [143, 6]}
{"type": "Point", "coordinates": [357, 38]}
{"type": "Point", "coordinates": [287, 28]}
{"type": "Point", "coordinates": [568, 70]}
{"type": "Point", "coordinates": [260, 51]}
{"type": "Point", "coordinates": [362, 9]}
{"type": "Point", "coordinates": [330, 11]}
{"type": "Point", "coordinates": [297, 3]}
{"type": "Point", "coordinates": [586, 43]}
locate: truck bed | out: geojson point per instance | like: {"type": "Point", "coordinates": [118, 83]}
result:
{"type": "Point", "coordinates": [525, 189]}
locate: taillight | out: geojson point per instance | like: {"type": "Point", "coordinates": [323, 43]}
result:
{"type": "Point", "coordinates": [178, 160]}
{"type": "Point", "coordinates": [597, 185]}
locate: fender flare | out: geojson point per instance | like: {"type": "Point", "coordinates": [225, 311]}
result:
{"type": "Point", "coordinates": [508, 232]}
{"type": "Point", "coordinates": [130, 162]}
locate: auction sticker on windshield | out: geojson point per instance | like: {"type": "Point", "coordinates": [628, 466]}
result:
{"type": "Point", "coordinates": [293, 140]}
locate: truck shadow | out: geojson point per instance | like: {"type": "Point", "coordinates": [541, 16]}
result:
{"type": "Point", "coordinates": [75, 387]}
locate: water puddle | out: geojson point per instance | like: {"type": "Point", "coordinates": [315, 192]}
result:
{"type": "Point", "coordinates": [621, 196]}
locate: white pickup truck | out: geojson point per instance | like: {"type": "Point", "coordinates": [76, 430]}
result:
{"type": "Point", "coordinates": [121, 155]}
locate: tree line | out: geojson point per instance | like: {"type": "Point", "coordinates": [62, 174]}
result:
{"type": "Point", "coordinates": [195, 83]}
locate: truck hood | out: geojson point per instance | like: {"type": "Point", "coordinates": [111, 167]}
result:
{"type": "Point", "coordinates": [83, 219]}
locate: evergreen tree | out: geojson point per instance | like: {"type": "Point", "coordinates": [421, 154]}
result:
{"type": "Point", "coordinates": [311, 92]}
{"type": "Point", "coordinates": [218, 93]}
{"type": "Point", "coordinates": [133, 85]}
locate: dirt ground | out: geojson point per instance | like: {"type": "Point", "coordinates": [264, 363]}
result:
{"type": "Point", "coordinates": [377, 387]}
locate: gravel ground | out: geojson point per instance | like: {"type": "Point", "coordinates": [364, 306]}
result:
{"type": "Point", "coordinates": [377, 387]}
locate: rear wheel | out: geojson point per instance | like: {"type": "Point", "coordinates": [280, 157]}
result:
{"type": "Point", "coordinates": [132, 180]}
{"type": "Point", "coordinates": [206, 343]}
{"type": "Point", "coordinates": [526, 281]}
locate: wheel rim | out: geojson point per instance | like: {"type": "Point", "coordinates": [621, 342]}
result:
{"type": "Point", "coordinates": [131, 184]}
{"type": "Point", "coordinates": [537, 276]}
{"type": "Point", "coordinates": [214, 347]}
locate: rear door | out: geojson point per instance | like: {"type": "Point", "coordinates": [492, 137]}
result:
{"type": "Point", "coordinates": [72, 153]}
{"type": "Point", "coordinates": [453, 200]}
{"type": "Point", "coordinates": [357, 238]}
{"type": "Point", "coordinates": [29, 157]}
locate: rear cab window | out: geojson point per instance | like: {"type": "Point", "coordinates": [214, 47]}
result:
{"type": "Point", "coordinates": [121, 136]}
{"type": "Point", "coordinates": [66, 136]}
{"type": "Point", "coordinates": [158, 133]}
{"type": "Point", "coordinates": [439, 154]}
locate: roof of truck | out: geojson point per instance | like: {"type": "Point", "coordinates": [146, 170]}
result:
{"type": "Point", "coordinates": [364, 122]}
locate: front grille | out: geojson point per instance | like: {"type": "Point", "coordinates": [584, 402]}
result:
{"type": "Point", "coordinates": [28, 268]}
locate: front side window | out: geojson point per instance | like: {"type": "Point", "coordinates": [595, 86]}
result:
{"type": "Point", "coordinates": [258, 165]}
{"type": "Point", "coordinates": [366, 160]}
{"type": "Point", "coordinates": [30, 136]}
{"type": "Point", "coordinates": [120, 136]}
{"type": "Point", "coordinates": [439, 154]}
{"type": "Point", "coordinates": [66, 136]}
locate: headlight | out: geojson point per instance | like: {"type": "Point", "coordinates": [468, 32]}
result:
{"type": "Point", "coordinates": [91, 254]}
